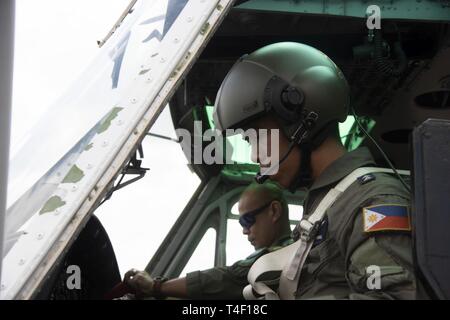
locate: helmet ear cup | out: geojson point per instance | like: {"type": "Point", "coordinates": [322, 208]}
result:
{"type": "Point", "coordinates": [286, 100]}
{"type": "Point", "coordinates": [292, 98]}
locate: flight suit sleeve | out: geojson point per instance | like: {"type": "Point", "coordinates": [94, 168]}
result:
{"type": "Point", "coordinates": [217, 283]}
{"type": "Point", "coordinates": [221, 282]}
{"type": "Point", "coordinates": [379, 263]}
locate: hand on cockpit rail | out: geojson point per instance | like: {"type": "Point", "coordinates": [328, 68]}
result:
{"type": "Point", "coordinates": [141, 282]}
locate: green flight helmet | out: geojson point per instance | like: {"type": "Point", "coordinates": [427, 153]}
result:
{"type": "Point", "coordinates": [289, 79]}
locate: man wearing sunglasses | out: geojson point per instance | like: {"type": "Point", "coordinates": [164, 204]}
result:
{"type": "Point", "coordinates": [264, 217]}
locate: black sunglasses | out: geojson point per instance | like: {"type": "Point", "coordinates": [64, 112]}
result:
{"type": "Point", "coordinates": [249, 218]}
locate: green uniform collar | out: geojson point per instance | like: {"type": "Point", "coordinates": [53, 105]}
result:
{"type": "Point", "coordinates": [282, 241]}
{"type": "Point", "coordinates": [343, 166]}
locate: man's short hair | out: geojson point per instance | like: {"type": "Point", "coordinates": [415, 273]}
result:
{"type": "Point", "coordinates": [270, 190]}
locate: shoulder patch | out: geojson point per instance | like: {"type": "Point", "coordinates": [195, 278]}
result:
{"type": "Point", "coordinates": [385, 217]}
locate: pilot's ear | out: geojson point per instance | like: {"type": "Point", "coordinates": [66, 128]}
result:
{"type": "Point", "coordinates": [277, 210]}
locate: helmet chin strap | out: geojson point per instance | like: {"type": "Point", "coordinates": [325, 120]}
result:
{"type": "Point", "coordinates": [262, 177]}
{"type": "Point", "coordinates": [304, 178]}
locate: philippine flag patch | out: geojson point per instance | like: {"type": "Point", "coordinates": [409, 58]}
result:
{"type": "Point", "coordinates": [386, 217]}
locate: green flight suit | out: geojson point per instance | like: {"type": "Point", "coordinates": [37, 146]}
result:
{"type": "Point", "coordinates": [227, 282]}
{"type": "Point", "coordinates": [337, 266]}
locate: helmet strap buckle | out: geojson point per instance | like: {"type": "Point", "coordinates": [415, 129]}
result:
{"type": "Point", "coordinates": [306, 125]}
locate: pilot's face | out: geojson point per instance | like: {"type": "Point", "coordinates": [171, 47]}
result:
{"type": "Point", "coordinates": [256, 219]}
{"type": "Point", "coordinates": [286, 170]}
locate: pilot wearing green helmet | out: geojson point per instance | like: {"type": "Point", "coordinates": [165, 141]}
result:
{"type": "Point", "coordinates": [354, 241]}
